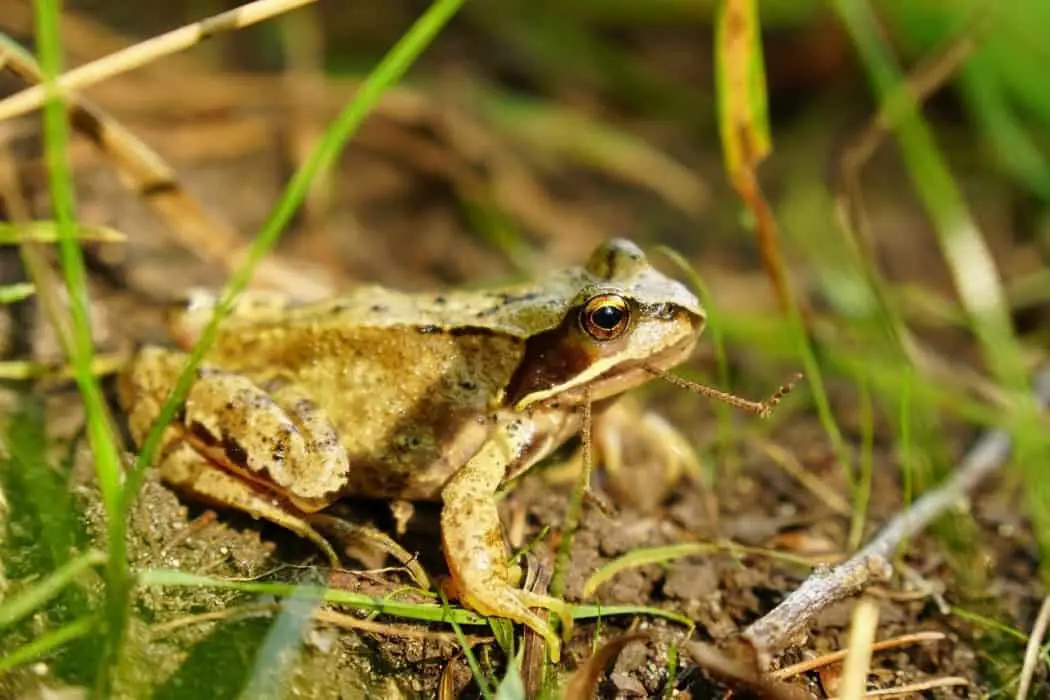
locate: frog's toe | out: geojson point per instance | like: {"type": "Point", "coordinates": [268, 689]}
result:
{"type": "Point", "coordinates": [354, 534]}
{"type": "Point", "coordinates": [514, 604]}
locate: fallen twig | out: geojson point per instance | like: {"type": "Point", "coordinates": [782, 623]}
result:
{"type": "Point", "coordinates": [915, 688]}
{"type": "Point", "coordinates": [787, 624]}
{"type": "Point", "coordinates": [783, 674]}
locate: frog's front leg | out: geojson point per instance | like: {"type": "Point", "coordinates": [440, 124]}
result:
{"type": "Point", "coordinates": [473, 539]}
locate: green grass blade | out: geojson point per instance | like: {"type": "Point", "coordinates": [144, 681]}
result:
{"type": "Point", "coordinates": [387, 73]}
{"type": "Point", "coordinates": [663, 554]}
{"type": "Point", "coordinates": [421, 612]}
{"type": "Point", "coordinates": [103, 446]}
{"type": "Point", "coordinates": [971, 264]}
{"type": "Point", "coordinates": [592, 612]}
{"type": "Point", "coordinates": [967, 254]}
{"type": "Point", "coordinates": [741, 85]}
{"type": "Point", "coordinates": [1018, 152]}
{"type": "Point", "coordinates": [424, 612]}
{"type": "Point", "coordinates": [24, 370]}
{"type": "Point", "coordinates": [672, 671]}
{"type": "Point", "coordinates": [11, 293]}
{"type": "Point", "coordinates": [37, 596]}
{"type": "Point", "coordinates": [45, 532]}
{"type": "Point", "coordinates": [48, 642]}
{"type": "Point", "coordinates": [512, 687]}
{"type": "Point", "coordinates": [468, 653]}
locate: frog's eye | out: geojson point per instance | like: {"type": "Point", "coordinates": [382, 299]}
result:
{"type": "Point", "coordinates": [605, 317]}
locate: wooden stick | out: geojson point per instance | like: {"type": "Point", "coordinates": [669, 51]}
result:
{"type": "Point", "coordinates": [787, 624]}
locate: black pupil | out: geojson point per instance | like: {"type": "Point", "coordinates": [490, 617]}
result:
{"type": "Point", "coordinates": [607, 317]}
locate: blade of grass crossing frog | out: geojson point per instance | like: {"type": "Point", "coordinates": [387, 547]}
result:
{"type": "Point", "coordinates": [425, 612]}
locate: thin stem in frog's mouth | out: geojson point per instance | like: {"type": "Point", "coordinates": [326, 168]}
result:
{"type": "Point", "coordinates": [631, 373]}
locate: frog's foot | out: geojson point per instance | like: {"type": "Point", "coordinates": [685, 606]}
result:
{"type": "Point", "coordinates": [643, 455]}
{"type": "Point", "coordinates": [185, 470]}
{"type": "Point", "coordinates": [480, 581]}
{"type": "Point", "coordinates": [477, 557]}
{"type": "Point", "coordinates": [351, 534]}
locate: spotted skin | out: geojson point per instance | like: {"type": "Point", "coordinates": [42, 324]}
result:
{"type": "Point", "coordinates": [390, 395]}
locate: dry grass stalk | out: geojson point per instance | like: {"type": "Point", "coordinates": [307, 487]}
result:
{"type": "Point", "coordinates": [149, 51]}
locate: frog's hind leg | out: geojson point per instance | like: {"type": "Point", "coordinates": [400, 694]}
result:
{"type": "Point", "coordinates": [270, 451]}
{"type": "Point", "coordinates": [185, 470]}
{"type": "Point", "coordinates": [278, 440]}
{"type": "Point", "coordinates": [476, 553]}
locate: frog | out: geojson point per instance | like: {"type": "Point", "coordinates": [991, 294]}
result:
{"type": "Point", "coordinates": [410, 396]}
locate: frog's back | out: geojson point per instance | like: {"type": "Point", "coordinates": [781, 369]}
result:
{"type": "Point", "coordinates": [406, 399]}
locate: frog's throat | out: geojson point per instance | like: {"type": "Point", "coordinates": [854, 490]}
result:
{"type": "Point", "coordinates": [605, 380]}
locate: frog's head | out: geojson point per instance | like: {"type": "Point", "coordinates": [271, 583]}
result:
{"type": "Point", "coordinates": [624, 316]}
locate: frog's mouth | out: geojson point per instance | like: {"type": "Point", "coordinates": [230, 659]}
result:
{"type": "Point", "coordinates": [565, 366]}
{"type": "Point", "coordinates": [628, 374]}
{"type": "Point", "coordinates": [621, 376]}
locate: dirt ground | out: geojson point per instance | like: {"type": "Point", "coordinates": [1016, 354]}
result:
{"type": "Point", "coordinates": [396, 216]}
